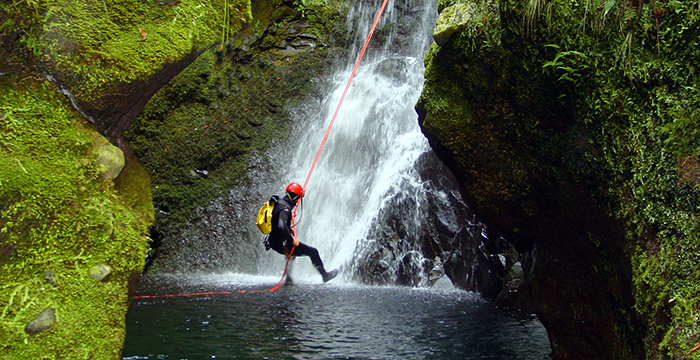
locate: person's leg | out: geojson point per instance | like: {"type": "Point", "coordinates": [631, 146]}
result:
{"type": "Point", "coordinates": [310, 251]}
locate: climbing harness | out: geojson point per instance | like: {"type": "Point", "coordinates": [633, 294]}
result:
{"type": "Point", "coordinates": [311, 170]}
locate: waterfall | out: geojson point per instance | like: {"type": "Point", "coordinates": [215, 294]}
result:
{"type": "Point", "coordinates": [369, 172]}
{"type": "Point", "coordinates": [380, 205]}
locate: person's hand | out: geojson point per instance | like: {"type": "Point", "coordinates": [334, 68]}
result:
{"type": "Point", "coordinates": [291, 243]}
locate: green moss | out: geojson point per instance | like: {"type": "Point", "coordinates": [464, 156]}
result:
{"type": "Point", "coordinates": [599, 96]}
{"type": "Point", "coordinates": [196, 135]}
{"type": "Point", "coordinates": [121, 41]}
{"type": "Point", "coordinates": [57, 214]}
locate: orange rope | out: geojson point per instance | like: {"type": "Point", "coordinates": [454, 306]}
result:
{"type": "Point", "coordinates": [226, 292]}
{"type": "Point", "coordinates": [347, 86]}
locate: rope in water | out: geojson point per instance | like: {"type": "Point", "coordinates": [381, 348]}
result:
{"type": "Point", "coordinates": [308, 176]}
{"type": "Point", "coordinates": [223, 292]}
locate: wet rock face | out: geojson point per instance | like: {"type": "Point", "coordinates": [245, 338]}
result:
{"type": "Point", "coordinates": [422, 234]}
{"type": "Point", "coordinates": [222, 124]}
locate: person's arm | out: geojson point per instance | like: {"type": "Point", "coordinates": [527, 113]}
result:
{"type": "Point", "coordinates": [283, 223]}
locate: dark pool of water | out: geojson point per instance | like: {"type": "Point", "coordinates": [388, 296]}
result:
{"type": "Point", "coordinates": [323, 321]}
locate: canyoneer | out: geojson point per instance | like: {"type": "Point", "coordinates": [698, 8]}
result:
{"type": "Point", "coordinates": [282, 238]}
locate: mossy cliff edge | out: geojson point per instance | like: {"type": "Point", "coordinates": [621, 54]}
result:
{"type": "Point", "coordinates": [75, 210]}
{"type": "Point", "coordinates": [572, 128]}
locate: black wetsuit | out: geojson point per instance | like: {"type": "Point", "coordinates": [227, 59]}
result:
{"type": "Point", "coordinates": [282, 234]}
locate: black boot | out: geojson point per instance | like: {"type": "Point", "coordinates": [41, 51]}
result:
{"type": "Point", "coordinates": [328, 276]}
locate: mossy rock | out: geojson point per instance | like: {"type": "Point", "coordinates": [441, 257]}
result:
{"type": "Point", "coordinates": [68, 199]}
{"type": "Point", "coordinates": [110, 159]}
{"type": "Point", "coordinates": [57, 214]}
{"type": "Point", "coordinates": [41, 322]}
{"type": "Point", "coordinates": [583, 154]}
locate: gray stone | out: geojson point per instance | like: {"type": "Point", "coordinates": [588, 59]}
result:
{"type": "Point", "coordinates": [110, 159]}
{"type": "Point", "coordinates": [308, 36]}
{"type": "Point", "coordinates": [515, 277]}
{"type": "Point", "coordinates": [509, 297]}
{"type": "Point", "coordinates": [100, 272]}
{"type": "Point", "coordinates": [42, 322]}
{"type": "Point", "coordinates": [50, 277]}
{"type": "Point", "coordinates": [437, 272]}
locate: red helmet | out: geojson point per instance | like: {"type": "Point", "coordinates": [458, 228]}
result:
{"type": "Point", "coordinates": [296, 189]}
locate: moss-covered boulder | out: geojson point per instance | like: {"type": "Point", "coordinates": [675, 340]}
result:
{"type": "Point", "coordinates": [58, 214]}
{"type": "Point", "coordinates": [453, 19]}
{"type": "Point", "coordinates": [109, 158]}
{"type": "Point", "coordinates": [73, 73]}
{"type": "Point", "coordinates": [571, 127]}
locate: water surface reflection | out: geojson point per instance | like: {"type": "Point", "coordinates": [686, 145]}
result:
{"type": "Point", "coordinates": [323, 321]}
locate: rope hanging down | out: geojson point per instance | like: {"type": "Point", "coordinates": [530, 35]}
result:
{"type": "Point", "coordinates": [330, 125]}
{"type": "Point", "coordinates": [347, 86]}
{"type": "Point", "coordinates": [311, 170]}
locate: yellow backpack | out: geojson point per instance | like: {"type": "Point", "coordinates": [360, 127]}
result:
{"type": "Point", "coordinates": [264, 219]}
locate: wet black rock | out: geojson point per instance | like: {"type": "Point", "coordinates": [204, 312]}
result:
{"type": "Point", "coordinates": [401, 247]}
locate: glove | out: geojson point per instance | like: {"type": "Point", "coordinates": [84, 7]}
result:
{"type": "Point", "coordinates": [266, 242]}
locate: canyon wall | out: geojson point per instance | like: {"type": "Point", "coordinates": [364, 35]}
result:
{"type": "Point", "coordinates": [569, 126]}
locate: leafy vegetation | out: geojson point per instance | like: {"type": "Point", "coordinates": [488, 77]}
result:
{"type": "Point", "coordinates": [639, 97]}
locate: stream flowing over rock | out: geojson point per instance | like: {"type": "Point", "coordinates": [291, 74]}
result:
{"type": "Point", "coordinates": [551, 161]}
